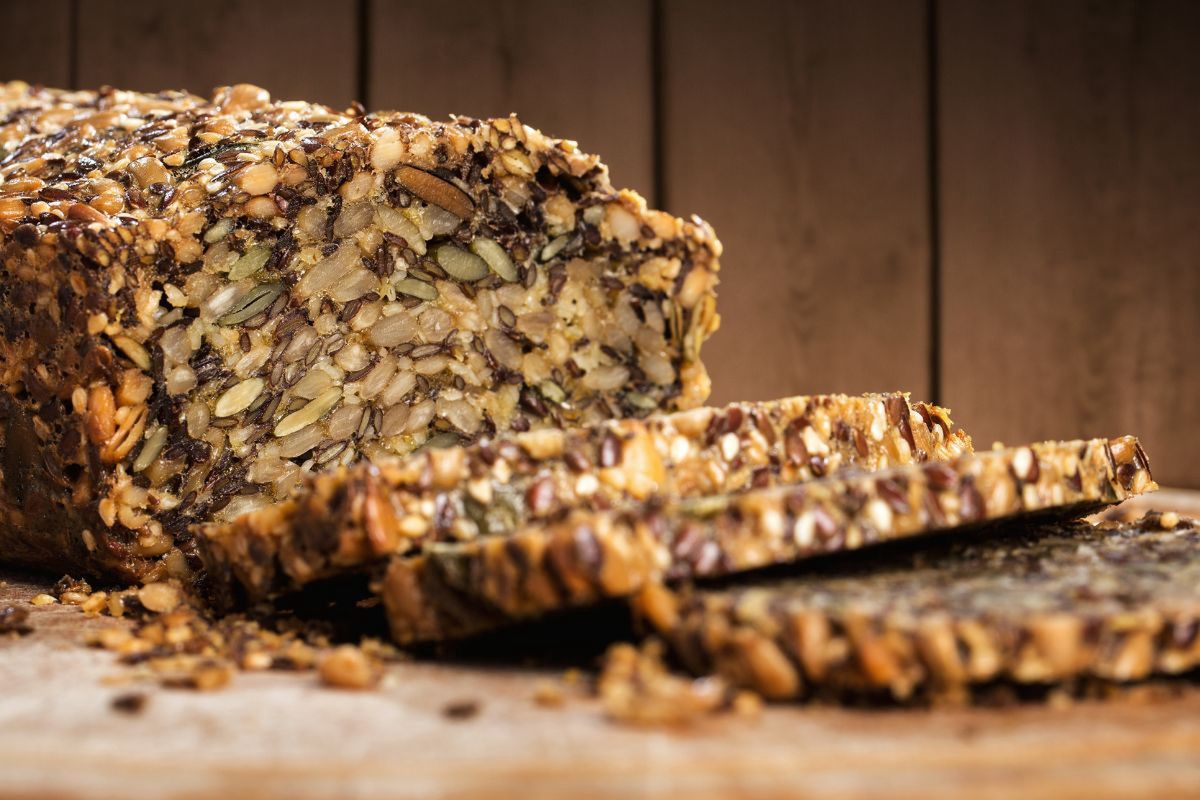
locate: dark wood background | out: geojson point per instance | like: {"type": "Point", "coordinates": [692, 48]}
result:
{"type": "Point", "coordinates": [995, 205]}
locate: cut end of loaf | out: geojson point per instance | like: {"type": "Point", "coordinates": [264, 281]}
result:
{"type": "Point", "coordinates": [209, 300]}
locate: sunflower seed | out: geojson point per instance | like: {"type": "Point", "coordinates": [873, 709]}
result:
{"type": "Point", "coordinates": [310, 413]}
{"type": "Point", "coordinates": [151, 449]}
{"type": "Point", "coordinates": [433, 189]}
{"type": "Point", "coordinates": [219, 231]}
{"type": "Point", "coordinates": [239, 397]}
{"type": "Point", "coordinates": [394, 222]}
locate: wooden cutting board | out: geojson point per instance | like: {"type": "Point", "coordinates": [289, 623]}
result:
{"type": "Point", "coordinates": [283, 735]}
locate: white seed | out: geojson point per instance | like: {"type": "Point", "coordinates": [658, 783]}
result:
{"type": "Point", "coordinates": [394, 420]}
{"type": "Point", "coordinates": [151, 449]}
{"type": "Point", "coordinates": [314, 382]}
{"type": "Point", "coordinates": [386, 149]}
{"type": "Point", "coordinates": [180, 379]}
{"type": "Point", "coordinates": [238, 397]}
{"type": "Point", "coordinates": [391, 331]}
{"type": "Point", "coordinates": [137, 354]}
{"type": "Point", "coordinates": [258, 179]}
{"type": "Point", "coordinates": [300, 442]}
{"type": "Point", "coordinates": [218, 231]}
{"type": "Point", "coordinates": [312, 412]}
{"type": "Point", "coordinates": [353, 218]}
{"type": "Point", "coordinates": [357, 283]}
{"type": "Point", "coordinates": [329, 270]}
{"type": "Point", "coordinates": [344, 422]}
{"type": "Point", "coordinates": [420, 416]}
{"type": "Point", "coordinates": [401, 385]}
{"type": "Point", "coordinates": [605, 379]}
{"type": "Point", "coordinates": [396, 223]}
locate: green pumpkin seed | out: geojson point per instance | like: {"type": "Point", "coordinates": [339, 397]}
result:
{"type": "Point", "coordinates": [251, 262]}
{"type": "Point", "coordinates": [257, 300]}
{"type": "Point", "coordinates": [415, 288]}
{"type": "Point", "coordinates": [460, 264]}
{"type": "Point", "coordinates": [495, 257]}
{"type": "Point", "coordinates": [643, 401]}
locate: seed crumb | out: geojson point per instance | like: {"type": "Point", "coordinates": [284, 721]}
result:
{"type": "Point", "coordinates": [43, 600]}
{"type": "Point", "coordinates": [461, 709]}
{"type": "Point", "coordinates": [130, 703]}
{"type": "Point", "coordinates": [348, 667]}
{"type": "Point", "coordinates": [14, 620]}
{"type": "Point", "coordinates": [548, 695]}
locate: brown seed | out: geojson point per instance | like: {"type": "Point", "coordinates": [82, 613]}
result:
{"type": "Point", "coordinates": [610, 450]}
{"type": "Point", "coordinates": [433, 189]}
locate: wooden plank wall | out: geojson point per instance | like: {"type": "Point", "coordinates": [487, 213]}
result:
{"type": "Point", "coordinates": [991, 204]}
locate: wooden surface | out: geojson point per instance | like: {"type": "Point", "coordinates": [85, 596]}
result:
{"type": "Point", "coordinates": [282, 735]}
{"type": "Point", "coordinates": [1070, 190]}
{"type": "Point", "coordinates": [799, 130]}
{"type": "Point", "coordinates": [992, 205]}
{"type": "Point", "coordinates": [297, 49]}
{"type": "Point", "coordinates": [576, 70]}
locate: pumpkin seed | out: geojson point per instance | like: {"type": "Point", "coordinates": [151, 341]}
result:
{"type": "Point", "coordinates": [415, 288]}
{"type": "Point", "coordinates": [442, 440]}
{"type": "Point", "coordinates": [238, 397]}
{"type": "Point", "coordinates": [495, 257]}
{"type": "Point", "coordinates": [642, 401]}
{"type": "Point", "coordinates": [460, 264]}
{"type": "Point", "coordinates": [310, 413]}
{"type": "Point", "coordinates": [256, 300]}
{"type": "Point", "coordinates": [704, 506]}
{"type": "Point", "coordinates": [251, 262]}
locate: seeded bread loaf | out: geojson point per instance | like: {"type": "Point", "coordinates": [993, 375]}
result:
{"type": "Point", "coordinates": [454, 590]}
{"type": "Point", "coordinates": [1048, 603]}
{"type": "Point", "coordinates": [204, 302]}
{"type": "Point", "coordinates": [344, 519]}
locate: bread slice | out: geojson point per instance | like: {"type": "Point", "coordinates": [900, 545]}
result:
{"type": "Point", "coordinates": [1029, 605]}
{"type": "Point", "coordinates": [343, 520]}
{"type": "Point", "coordinates": [454, 590]}
{"type": "Point", "coordinates": [206, 301]}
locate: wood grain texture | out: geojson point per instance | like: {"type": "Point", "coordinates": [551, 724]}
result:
{"type": "Point", "coordinates": [297, 49]}
{"type": "Point", "coordinates": [799, 130]}
{"type": "Point", "coordinates": [1070, 193]}
{"type": "Point", "coordinates": [576, 70]}
{"type": "Point", "coordinates": [35, 42]}
{"type": "Point", "coordinates": [282, 735]}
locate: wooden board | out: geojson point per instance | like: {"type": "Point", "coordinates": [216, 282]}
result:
{"type": "Point", "coordinates": [297, 49]}
{"type": "Point", "coordinates": [282, 735]}
{"type": "Point", "coordinates": [35, 42]}
{"type": "Point", "coordinates": [1070, 191]}
{"type": "Point", "coordinates": [799, 130]}
{"type": "Point", "coordinates": [575, 70]}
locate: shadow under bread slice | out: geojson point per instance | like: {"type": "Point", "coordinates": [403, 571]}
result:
{"type": "Point", "coordinates": [344, 519]}
{"type": "Point", "coordinates": [455, 590]}
{"type": "Point", "coordinates": [1035, 604]}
